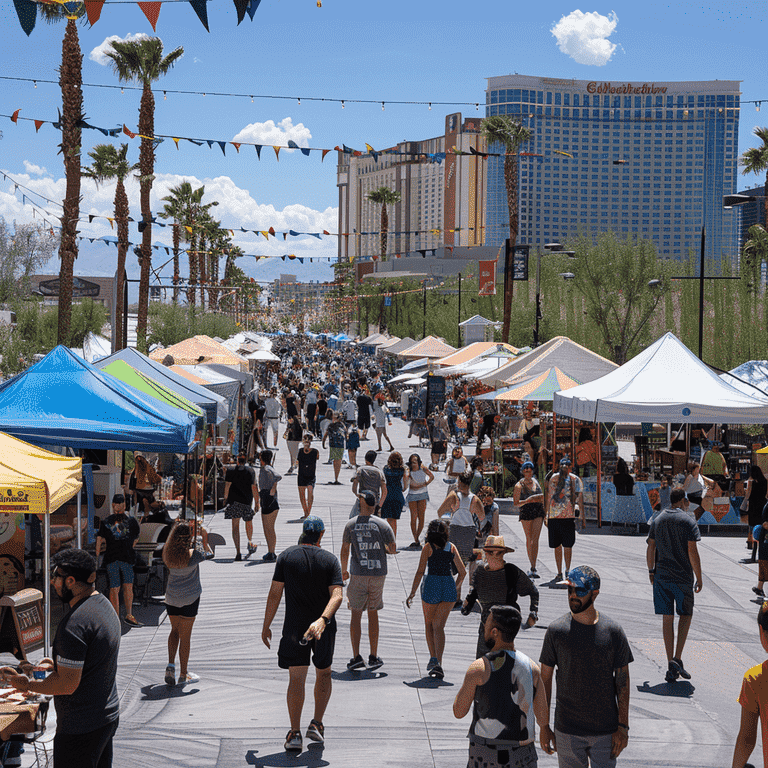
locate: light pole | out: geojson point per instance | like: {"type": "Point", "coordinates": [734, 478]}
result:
{"type": "Point", "coordinates": [551, 248]}
{"type": "Point", "coordinates": [458, 322]}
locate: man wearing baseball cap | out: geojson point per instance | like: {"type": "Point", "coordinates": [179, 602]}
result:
{"type": "Point", "coordinates": [371, 540]}
{"type": "Point", "coordinates": [311, 579]}
{"type": "Point", "coordinates": [592, 657]}
{"type": "Point", "coordinates": [564, 496]}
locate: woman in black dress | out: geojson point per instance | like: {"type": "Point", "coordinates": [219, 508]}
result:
{"type": "Point", "coordinates": [623, 481]}
{"type": "Point", "coordinates": [755, 494]}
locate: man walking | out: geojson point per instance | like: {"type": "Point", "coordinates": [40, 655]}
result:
{"type": "Point", "coordinates": [506, 689]}
{"type": "Point", "coordinates": [311, 580]}
{"type": "Point", "coordinates": [371, 539]}
{"type": "Point", "coordinates": [272, 410]}
{"type": "Point", "coordinates": [592, 657]}
{"type": "Point", "coordinates": [239, 491]}
{"type": "Point", "coordinates": [368, 478]}
{"type": "Point", "coordinates": [117, 538]}
{"type": "Point", "coordinates": [672, 536]}
{"type": "Point", "coordinates": [84, 665]}
{"type": "Point", "coordinates": [564, 492]}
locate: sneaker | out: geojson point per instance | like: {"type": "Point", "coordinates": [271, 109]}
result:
{"type": "Point", "coordinates": [290, 472]}
{"type": "Point", "coordinates": [374, 662]}
{"type": "Point", "coordinates": [356, 663]}
{"type": "Point", "coordinates": [558, 578]}
{"type": "Point", "coordinates": [680, 669]}
{"type": "Point", "coordinates": [671, 676]}
{"type": "Point", "coordinates": [190, 677]}
{"type": "Point", "coordinates": [437, 672]}
{"type": "Point", "coordinates": [252, 548]}
{"type": "Point", "coordinates": [416, 545]}
{"type": "Point", "coordinates": [316, 732]}
{"type": "Point", "coordinates": [130, 619]}
{"type": "Point", "coordinates": [431, 663]}
{"type": "Point", "coordinates": [759, 592]}
{"type": "Point", "coordinates": [170, 674]}
{"type": "Point", "coordinates": [238, 557]}
{"type": "Point", "coordinates": [270, 557]}
{"type": "Point", "coordinates": [209, 555]}
{"type": "Point", "coordinates": [533, 574]}
{"type": "Point", "coordinates": [293, 742]}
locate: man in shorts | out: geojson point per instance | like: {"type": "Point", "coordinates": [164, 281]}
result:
{"type": "Point", "coordinates": [564, 494]}
{"type": "Point", "coordinates": [368, 478]}
{"type": "Point", "coordinates": [364, 404]}
{"type": "Point", "coordinates": [239, 492]}
{"type": "Point", "coordinates": [672, 535]}
{"type": "Point", "coordinates": [311, 579]}
{"type": "Point", "coordinates": [371, 539]}
{"type": "Point", "coordinates": [117, 538]}
{"type": "Point", "coordinates": [336, 435]}
{"type": "Point", "coordinates": [272, 409]}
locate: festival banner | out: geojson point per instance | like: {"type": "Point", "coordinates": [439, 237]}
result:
{"type": "Point", "coordinates": [487, 281]}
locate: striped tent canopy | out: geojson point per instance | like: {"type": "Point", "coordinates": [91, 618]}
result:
{"type": "Point", "coordinates": [540, 388]}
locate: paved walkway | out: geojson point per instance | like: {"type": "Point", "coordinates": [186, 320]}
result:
{"type": "Point", "coordinates": [236, 715]}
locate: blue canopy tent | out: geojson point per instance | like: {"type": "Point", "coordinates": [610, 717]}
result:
{"type": "Point", "coordinates": [214, 406]}
{"type": "Point", "coordinates": [63, 400]}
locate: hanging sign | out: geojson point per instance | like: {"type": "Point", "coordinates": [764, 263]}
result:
{"type": "Point", "coordinates": [487, 280]}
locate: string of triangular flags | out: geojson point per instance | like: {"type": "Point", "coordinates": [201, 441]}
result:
{"type": "Point", "coordinates": [432, 157]}
{"type": "Point", "coordinates": [26, 10]}
{"type": "Point", "coordinates": [232, 230]}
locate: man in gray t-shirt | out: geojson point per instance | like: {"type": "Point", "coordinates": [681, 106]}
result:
{"type": "Point", "coordinates": [368, 478]}
{"type": "Point", "coordinates": [370, 539]}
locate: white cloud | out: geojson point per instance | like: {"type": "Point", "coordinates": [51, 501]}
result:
{"type": "Point", "coordinates": [277, 134]}
{"type": "Point", "coordinates": [98, 54]}
{"type": "Point", "coordinates": [34, 169]}
{"type": "Point", "coordinates": [584, 37]}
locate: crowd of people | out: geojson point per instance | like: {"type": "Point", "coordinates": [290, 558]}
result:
{"type": "Point", "coordinates": [334, 398]}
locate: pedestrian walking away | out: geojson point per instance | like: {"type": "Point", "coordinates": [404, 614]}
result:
{"type": "Point", "coordinates": [495, 582]}
{"type": "Point", "coordinates": [267, 502]}
{"type": "Point", "coordinates": [84, 667]}
{"type": "Point", "coordinates": [368, 478]}
{"type": "Point", "coordinates": [182, 598]}
{"type": "Point", "coordinates": [370, 539]}
{"type": "Point", "coordinates": [507, 696]}
{"type": "Point", "coordinates": [117, 539]}
{"type": "Point", "coordinates": [307, 460]}
{"type": "Point", "coordinates": [310, 579]}
{"type": "Point", "coordinates": [240, 491]}
{"type": "Point", "coordinates": [565, 501]}
{"type": "Point", "coordinates": [672, 536]}
{"type": "Point", "coordinates": [592, 657]}
{"type": "Point", "coordinates": [439, 591]}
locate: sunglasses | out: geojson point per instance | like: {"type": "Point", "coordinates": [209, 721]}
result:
{"type": "Point", "coordinates": [579, 591]}
{"type": "Point", "coordinates": [494, 552]}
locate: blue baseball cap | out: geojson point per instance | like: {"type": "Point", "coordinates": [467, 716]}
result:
{"type": "Point", "coordinates": [583, 579]}
{"type": "Point", "coordinates": [313, 524]}
{"type": "Point", "coordinates": [565, 460]}
{"type": "Point", "coordinates": [528, 465]}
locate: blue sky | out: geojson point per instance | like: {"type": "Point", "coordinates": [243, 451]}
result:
{"type": "Point", "coordinates": [348, 49]}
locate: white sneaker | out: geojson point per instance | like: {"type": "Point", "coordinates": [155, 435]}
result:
{"type": "Point", "coordinates": [190, 677]}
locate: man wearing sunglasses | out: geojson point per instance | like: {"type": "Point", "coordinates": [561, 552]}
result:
{"type": "Point", "coordinates": [84, 664]}
{"type": "Point", "coordinates": [592, 657]}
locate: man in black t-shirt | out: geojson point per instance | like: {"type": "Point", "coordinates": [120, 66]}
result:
{"type": "Point", "coordinates": [117, 537]}
{"type": "Point", "coordinates": [84, 666]}
{"type": "Point", "coordinates": [592, 656]}
{"type": "Point", "coordinates": [239, 490]}
{"type": "Point", "coordinates": [364, 404]}
{"type": "Point", "coordinates": [311, 580]}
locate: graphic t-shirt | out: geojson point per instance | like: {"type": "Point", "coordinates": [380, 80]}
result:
{"type": "Point", "coordinates": [561, 502]}
{"type": "Point", "coordinates": [368, 537]}
{"type": "Point", "coordinates": [119, 532]}
{"type": "Point", "coordinates": [754, 698]}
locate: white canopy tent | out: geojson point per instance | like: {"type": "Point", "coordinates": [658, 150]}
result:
{"type": "Point", "coordinates": [664, 383]}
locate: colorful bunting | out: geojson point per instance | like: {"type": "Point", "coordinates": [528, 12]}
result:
{"type": "Point", "coordinates": [151, 11]}
{"type": "Point", "coordinates": [93, 10]}
{"type": "Point", "coordinates": [26, 10]}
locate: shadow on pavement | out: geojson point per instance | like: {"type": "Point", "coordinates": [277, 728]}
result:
{"type": "Point", "coordinates": [682, 690]}
{"type": "Point", "coordinates": [427, 682]}
{"type": "Point", "coordinates": [160, 691]}
{"type": "Point", "coordinates": [311, 757]}
{"type": "Point", "coordinates": [358, 674]}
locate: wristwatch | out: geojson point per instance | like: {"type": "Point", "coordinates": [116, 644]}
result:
{"type": "Point", "coordinates": [326, 620]}
{"type": "Point", "coordinates": [625, 727]}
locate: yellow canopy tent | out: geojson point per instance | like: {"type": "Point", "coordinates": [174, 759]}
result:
{"type": "Point", "coordinates": [37, 482]}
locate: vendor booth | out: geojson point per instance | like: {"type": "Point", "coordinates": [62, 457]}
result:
{"type": "Point", "coordinates": [667, 384]}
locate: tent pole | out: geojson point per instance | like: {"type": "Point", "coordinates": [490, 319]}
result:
{"type": "Point", "coordinates": [47, 581]}
{"type": "Point", "coordinates": [599, 435]}
{"type": "Point", "coordinates": [79, 538]}
{"type": "Point", "coordinates": [554, 441]}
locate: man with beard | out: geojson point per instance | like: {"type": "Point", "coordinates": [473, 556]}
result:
{"type": "Point", "coordinates": [84, 665]}
{"type": "Point", "coordinates": [507, 691]}
{"type": "Point", "coordinates": [592, 657]}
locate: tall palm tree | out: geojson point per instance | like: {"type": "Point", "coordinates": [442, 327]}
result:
{"type": "Point", "coordinates": [755, 160]}
{"type": "Point", "coordinates": [384, 196]}
{"type": "Point", "coordinates": [142, 61]}
{"type": "Point", "coordinates": [173, 210]}
{"type": "Point", "coordinates": [501, 129]}
{"type": "Point", "coordinates": [112, 163]}
{"type": "Point", "coordinates": [71, 82]}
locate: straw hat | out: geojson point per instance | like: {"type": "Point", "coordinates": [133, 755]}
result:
{"type": "Point", "coordinates": [496, 542]}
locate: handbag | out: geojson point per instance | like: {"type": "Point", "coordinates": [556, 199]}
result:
{"type": "Point", "coordinates": [744, 507]}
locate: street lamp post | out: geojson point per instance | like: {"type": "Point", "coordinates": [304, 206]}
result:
{"type": "Point", "coordinates": [551, 248]}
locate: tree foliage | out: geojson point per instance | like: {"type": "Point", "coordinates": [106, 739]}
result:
{"type": "Point", "coordinates": [24, 249]}
{"type": "Point", "coordinates": [171, 323]}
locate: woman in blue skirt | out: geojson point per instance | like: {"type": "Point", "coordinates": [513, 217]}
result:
{"type": "Point", "coordinates": [439, 590]}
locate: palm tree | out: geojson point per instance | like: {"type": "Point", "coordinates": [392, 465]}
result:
{"type": "Point", "coordinates": [173, 210]}
{"type": "Point", "coordinates": [384, 196]}
{"type": "Point", "coordinates": [142, 61]}
{"type": "Point", "coordinates": [112, 163]}
{"type": "Point", "coordinates": [755, 160]}
{"type": "Point", "coordinates": [71, 82]}
{"type": "Point", "coordinates": [501, 129]}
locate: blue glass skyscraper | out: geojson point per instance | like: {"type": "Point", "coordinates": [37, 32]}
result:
{"type": "Point", "coordinates": [648, 158]}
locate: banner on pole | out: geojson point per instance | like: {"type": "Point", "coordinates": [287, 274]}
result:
{"type": "Point", "coordinates": [487, 279]}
